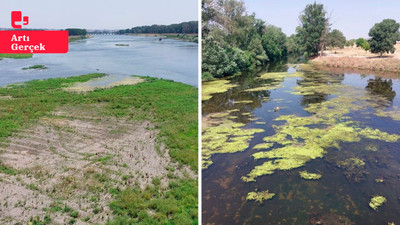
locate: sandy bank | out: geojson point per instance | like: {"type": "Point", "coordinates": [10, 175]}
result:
{"type": "Point", "coordinates": [352, 58]}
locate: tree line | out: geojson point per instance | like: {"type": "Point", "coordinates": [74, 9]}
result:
{"type": "Point", "coordinates": [76, 31]}
{"type": "Point", "coordinates": [234, 40]}
{"type": "Point", "coordinates": [190, 27]}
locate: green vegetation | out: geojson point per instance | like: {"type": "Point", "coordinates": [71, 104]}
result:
{"type": "Point", "coordinates": [313, 29]}
{"type": "Point", "coordinates": [176, 204]}
{"type": "Point", "coordinates": [302, 139]}
{"type": "Point", "coordinates": [384, 36]}
{"type": "Point", "coordinates": [376, 201]}
{"type": "Point", "coordinates": [234, 41]}
{"type": "Point", "coordinates": [35, 67]}
{"type": "Point", "coordinates": [15, 56]}
{"type": "Point", "coordinates": [350, 43]}
{"type": "Point", "coordinates": [259, 196]}
{"type": "Point", "coordinates": [121, 45]}
{"type": "Point", "coordinates": [335, 39]}
{"type": "Point", "coordinates": [309, 176]}
{"type": "Point", "coordinates": [190, 27]}
{"type": "Point", "coordinates": [76, 32]}
{"type": "Point", "coordinates": [171, 106]}
{"type": "Point", "coordinates": [184, 37]}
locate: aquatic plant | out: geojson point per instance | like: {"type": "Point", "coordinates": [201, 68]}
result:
{"type": "Point", "coordinates": [376, 201]}
{"type": "Point", "coordinates": [309, 176]}
{"type": "Point", "coordinates": [259, 196]}
{"type": "Point", "coordinates": [353, 169]}
{"type": "Point", "coordinates": [216, 86]}
{"type": "Point", "coordinates": [300, 143]}
{"type": "Point", "coordinates": [393, 114]}
{"type": "Point", "coordinates": [226, 137]}
{"type": "Point", "coordinates": [35, 67]}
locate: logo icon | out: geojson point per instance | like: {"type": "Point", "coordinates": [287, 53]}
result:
{"type": "Point", "coordinates": [16, 17]}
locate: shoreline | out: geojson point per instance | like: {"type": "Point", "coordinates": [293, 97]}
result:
{"type": "Point", "coordinates": [175, 36]}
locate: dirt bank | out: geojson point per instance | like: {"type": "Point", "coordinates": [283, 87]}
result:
{"type": "Point", "coordinates": [353, 58]}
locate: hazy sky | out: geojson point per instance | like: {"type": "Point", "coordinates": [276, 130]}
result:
{"type": "Point", "coordinates": [98, 14]}
{"type": "Point", "coordinates": [353, 17]}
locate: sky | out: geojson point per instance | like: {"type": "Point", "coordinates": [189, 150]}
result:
{"type": "Point", "coordinates": [353, 17]}
{"type": "Point", "coordinates": [98, 14]}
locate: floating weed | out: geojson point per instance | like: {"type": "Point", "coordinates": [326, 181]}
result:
{"type": "Point", "coordinates": [243, 102]}
{"type": "Point", "coordinates": [309, 176]}
{"type": "Point", "coordinates": [376, 201]}
{"type": "Point", "coordinates": [394, 114]}
{"type": "Point", "coordinates": [225, 137]}
{"type": "Point", "coordinates": [213, 87]}
{"type": "Point", "coordinates": [259, 196]}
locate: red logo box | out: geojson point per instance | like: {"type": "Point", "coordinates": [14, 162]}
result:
{"type": "Point", "coordinates": [18, 41]}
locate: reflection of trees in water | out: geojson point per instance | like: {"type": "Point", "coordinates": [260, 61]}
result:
{"type": "Point", "coordinates": [318, 79]}
{"type": "Point", "coordinates": [249, 79]}
{"type": "Point", "coordinates": [381, 87]}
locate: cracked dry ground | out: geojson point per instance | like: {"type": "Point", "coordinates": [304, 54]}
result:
{"type": "Point", "coordinates": [69, 162]}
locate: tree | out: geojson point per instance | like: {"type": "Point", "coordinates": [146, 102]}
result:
{"type": "Point", "coordinates": [360, 41]}
{"type": "Point", "coordinates": [335, 39]}
{"type": "Point", "coordinates": [76, 31]}
{"type": "Point", "coordinates": [350, 43]}
{"type": "Point", "coordinates": [314, 27]}
{"type": "Point", "coordinates": [274, 43]}
{"type": "Point", "coordinates": [383, 36]}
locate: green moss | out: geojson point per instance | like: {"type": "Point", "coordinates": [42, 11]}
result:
{"type": "Point", "coordinates": [309, 176]}
{"type": "Point", "coordinates": [260, 196]}
{"type": "Point", "coordinates": [376, 201]}
{"type": "Point", "coordinates": [213, 87]}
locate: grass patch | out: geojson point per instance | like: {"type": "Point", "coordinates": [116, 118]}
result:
{"type": "Point", "coordinates": [35, 67]}
{"type": "Point", "coordinates": [121, 45]}
{"type": "Point", "coordinates": [15, 56]}
{"type": "Point", "coordinates": [176, 205]}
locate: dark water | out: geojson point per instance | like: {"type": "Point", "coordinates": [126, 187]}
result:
{"type": "Point", "coordinates": [145, 56]}
{"type": "Point", "coordinates": [341, 196]}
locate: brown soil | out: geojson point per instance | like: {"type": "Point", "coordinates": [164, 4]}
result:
{"type": "Point", "coordinates": [73, 158]}
{"type": "Point", "coordinates": [354, 58]}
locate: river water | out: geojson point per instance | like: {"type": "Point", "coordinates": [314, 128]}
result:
{"type": "Point", "coordinates": [145, 56]}
{"type": "Point", "coordinates": [344, 127]}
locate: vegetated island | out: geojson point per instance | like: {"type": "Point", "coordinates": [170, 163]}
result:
{"type": "Point", "coordinates": [235, 41]}
{"type": "Point", "coordinates": [75, 34]}
{"type": "Point", "coordinates": [186, 31]}
{"type": "Point", "coordinates": [125, 154]}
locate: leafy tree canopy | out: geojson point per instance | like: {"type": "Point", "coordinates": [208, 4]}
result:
{"type": "Point", "coordinates": [383, 36]}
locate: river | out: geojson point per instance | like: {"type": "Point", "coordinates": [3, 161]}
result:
{"type": "Point", "coordinates": [323, 155]}
{"type": "Point", "coordinates": [145, 56]}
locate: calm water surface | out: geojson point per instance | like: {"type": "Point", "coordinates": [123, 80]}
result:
{"type": "Point", "coordinates": [145, 56]}
{"type": "Point", "coordinates": [341, 196]}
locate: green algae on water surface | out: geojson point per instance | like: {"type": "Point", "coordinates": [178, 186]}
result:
{"type": "Point", "coordinates": [393, 114]}
{"type": "Point", "coordinates": [302, 144]}
{"type": "Point", "coordinates": [226, 137]}
{"type": "Point", "coordinates": [259, 196]}
{"type": "Point", "coordinates": [213, 87]}
{"type": "Point", "coordinates": [376, 201]}
{"type": "Point", "coordinates": [309, 176]}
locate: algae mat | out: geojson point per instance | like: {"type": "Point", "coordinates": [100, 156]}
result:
{"type": "Point", "coordinates": [301, 147]}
